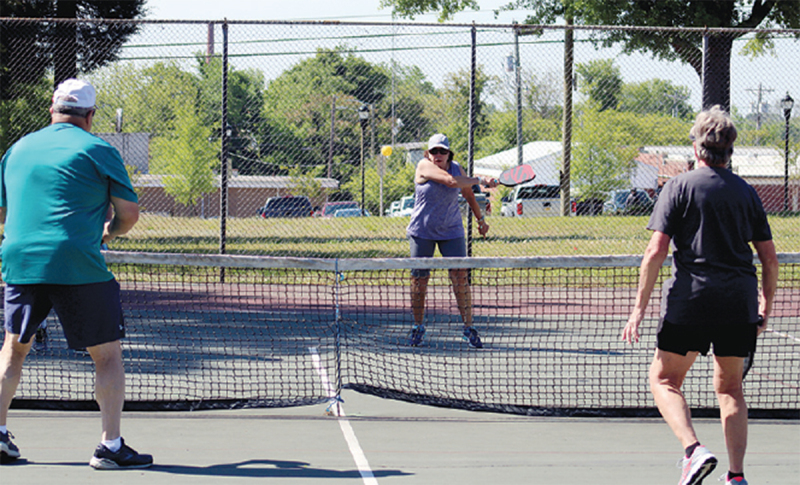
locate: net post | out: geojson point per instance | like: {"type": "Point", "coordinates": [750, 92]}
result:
{"type": "Point", "coordinates": [337, 340]}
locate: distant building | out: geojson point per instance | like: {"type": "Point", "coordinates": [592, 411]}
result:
{"type": "Point", "coordinates": [761, 167]}
{"type": "Point", "coordinates": [246, 194]}
{"type": "Point", "coordinates": [134, 148]}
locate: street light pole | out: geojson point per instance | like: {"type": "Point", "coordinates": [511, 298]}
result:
{"type": "Point", "coordinates": [363, 118]}
{"type": "Point", "coordinates": [787, 103]}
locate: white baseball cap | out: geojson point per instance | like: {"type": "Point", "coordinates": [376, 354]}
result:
{"type": "Point", "coordinates": [75, 94]}
{"type": "Point", "coordinates": [439, 141]}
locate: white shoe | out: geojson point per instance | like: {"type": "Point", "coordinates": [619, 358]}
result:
{"type": "Point", "coordinates": [697, 467]}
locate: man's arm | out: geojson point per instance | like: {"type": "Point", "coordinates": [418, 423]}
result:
{"type": "Point", "coordinates": [769, 278]}
{"type": "Point", "coordinates": [126, 214]}
{"type": "Point", "coordinates": [2, 215]}
{"type": "Point", "coordinates": [654, 256]}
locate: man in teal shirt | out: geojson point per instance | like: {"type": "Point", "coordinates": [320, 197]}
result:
{"type": "Point", "coordinates": [55, 189]}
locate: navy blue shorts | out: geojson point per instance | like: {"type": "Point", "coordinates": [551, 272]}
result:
{"type": "Point", "coordinates": [90, 314]}
{"type": "Point", "coordinates": [424, 248]}
{"type": "Point", "coordinates": [733, 340]}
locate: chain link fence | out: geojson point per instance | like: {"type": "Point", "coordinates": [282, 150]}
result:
{"type": "Point", "coordinates": [240, 136]}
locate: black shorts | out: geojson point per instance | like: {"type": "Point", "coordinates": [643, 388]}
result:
{"type": "Point", "coordinates": [732, 340]}
{"type": "Point", "coordinates": [90, 314]}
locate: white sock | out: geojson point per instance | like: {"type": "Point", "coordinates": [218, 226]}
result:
{"type": "Point", "coordinates": [3, 429]}
{"type": "Point", "coordinates": [113, 445]}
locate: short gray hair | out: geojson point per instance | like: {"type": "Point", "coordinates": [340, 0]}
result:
{"type": "Point", "coordinates": [714, 133]}
{"type": "Point", "coordinates": [71, 110]}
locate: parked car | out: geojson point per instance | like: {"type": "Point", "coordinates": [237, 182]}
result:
{"type": "Point", "coordinates": [617, 203]}
{"type": "Point", "coordinates": [405, 207]}
{"type": "Point", "coordinates": [394, 207]}
{"type": "Point", "coordinates": [330, 208]}
{"type": "Point", "coordinates": [351, 213]}
{"type": "Point", "coordinates": [286, 206]}
{"type": "Point", "coordinates": [481, 197]}
{"type": "Point", "coordinates": [534, 200]}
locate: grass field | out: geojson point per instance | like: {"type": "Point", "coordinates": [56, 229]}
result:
{"type": "Point", "coordinates": [377, 237]}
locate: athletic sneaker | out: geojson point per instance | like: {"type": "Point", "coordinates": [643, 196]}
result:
{"type": "Point", "coordinates": [40, 340]}
{"type": "Point", "coordinates": [125, 458]}
{"type": "Point", "coordinates": [471, 335]}
{"type": "Point", "coordinates": [8, 450]}
{"type": "Point", "coordinates": [732, 481]}
{"type": "Point", "coordinates": [697, 466]}
{"type": "Point", "coordinates": [417, 331]}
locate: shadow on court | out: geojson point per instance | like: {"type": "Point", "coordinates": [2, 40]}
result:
{"type": "Point", "coordinates": [268, 469]}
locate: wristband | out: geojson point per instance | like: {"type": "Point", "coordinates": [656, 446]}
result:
{"type": "Point", "coordinates": [480, 220]}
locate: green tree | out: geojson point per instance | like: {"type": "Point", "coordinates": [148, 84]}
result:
{"type": "Point", "coordinates": [306, 182]}
{"type": "Point", "coordinates": [31, 52]}
{"type": "Point", "coordinates": [412, 95]}
{"type": "Point", "coordinates": [656, 96]}
{"type": "Point", "coordinates": [601, 81]}
{"type": "Point", "coordinates": [297, 108]}
{"type": "Point", "coordinates": [186, 157]}
{"type": "Point", "coordinates": [150, 97]}
{"type": "Point", "coordinates": [607, 142]}
{"type": "Point", "coordinates": [398, 181]}
{"type": "Point", "coordinates": [603, 154]}
{"type": "Point", "coordinates": [542, 95]}
{"type": "Point", "coordinates": [245, 118]}
{"type": "Point", "coordinates": [449, 112]}
{"type": "Point", "coordinates": [739, 14]}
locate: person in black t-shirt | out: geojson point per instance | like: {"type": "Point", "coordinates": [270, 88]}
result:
{"type": "Point", "coordinates": [711, 216]}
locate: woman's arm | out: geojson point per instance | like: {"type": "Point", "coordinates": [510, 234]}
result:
{"type": "Point", "coordinates": [427, 170]}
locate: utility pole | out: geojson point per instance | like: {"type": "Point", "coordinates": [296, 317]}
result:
{"type": "Point", "coordinates": [759, 92]}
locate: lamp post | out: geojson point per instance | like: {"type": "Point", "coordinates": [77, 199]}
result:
{"type": "Point", "coordinates": [787, 103]}
{"type": "Point", "coordinates": [363, 118]}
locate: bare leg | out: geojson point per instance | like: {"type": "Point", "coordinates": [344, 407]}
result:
{"type": "Point", "coordinates": [667, 373]}
{"type": "Point", "coordinates": [463, 295]}
{"type": "Point", "coordinates": [419, 289]}
{"type": "Point", "coordinates": [109, 386]}
{"type": "Point", "coordinates": [12, 356]}
{"type": "Point", "coordinates": [732, 408]}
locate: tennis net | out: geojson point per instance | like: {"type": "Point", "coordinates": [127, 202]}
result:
{"type": "Point", "coordinates": [219, 331]}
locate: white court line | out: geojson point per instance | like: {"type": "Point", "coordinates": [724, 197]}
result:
{"type": "Point", "coordinates": [349, 435]}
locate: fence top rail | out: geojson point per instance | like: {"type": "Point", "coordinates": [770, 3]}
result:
{"type": "Point", "coordinates": [521, 27]}
{"type": "Point", "coordinates": [353, 264]}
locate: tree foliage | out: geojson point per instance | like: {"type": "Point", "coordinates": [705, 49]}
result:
{"type": "Point", "coordinates": [601, 80]}
{"type": "Point", "coordinates": [67, 48]}
{"type": "Point", "coordinates": [298, 106]}
{"type": "Point", "coordinates": [741, 14]}
{"type": "Point", "coordinates": [31, 51]}
{"type": "Point", "coordinates": [656, 96]}
{"type": "Point", "coordinates": [186, 156]}
{"type": "Point", "coordinates": [411, 8]}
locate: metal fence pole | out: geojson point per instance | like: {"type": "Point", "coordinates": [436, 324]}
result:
{"type": "Point", "coordinates": [223, 171]}
{"type": "Point", "coordinates": [519, 95]}
{"type": "Point", "coordinates": [471, 131]}
{"type": "Point", "coordinates": [566, 149]}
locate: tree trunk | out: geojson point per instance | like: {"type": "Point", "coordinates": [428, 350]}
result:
{"type": "Point", "coordinates": [717, 71]}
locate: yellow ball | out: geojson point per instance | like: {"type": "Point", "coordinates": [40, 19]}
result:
{"type": "Point", "coordinates": [386, 151]}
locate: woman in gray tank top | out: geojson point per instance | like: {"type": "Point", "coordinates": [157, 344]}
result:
{"type": "Point", "coordinates": [436, 221]}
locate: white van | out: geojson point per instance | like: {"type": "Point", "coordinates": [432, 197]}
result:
{"type": "Point", "coordinates": [534, 200]}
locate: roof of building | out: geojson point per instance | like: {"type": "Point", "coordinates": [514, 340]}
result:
{"type": "Point", "coordinates": [238, 181]}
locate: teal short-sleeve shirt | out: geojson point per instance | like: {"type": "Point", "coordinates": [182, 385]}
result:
{"type": "Point", "coordinates": [56, 185]}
